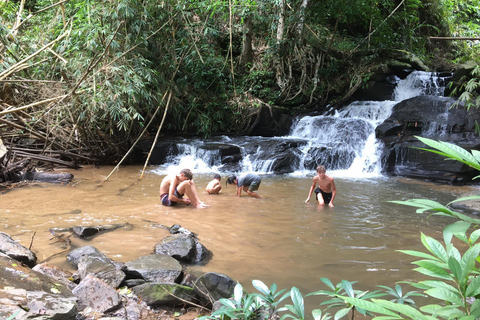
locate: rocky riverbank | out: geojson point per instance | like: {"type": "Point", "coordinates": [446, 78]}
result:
{"type": "Point", "coordinates": [150, 287]}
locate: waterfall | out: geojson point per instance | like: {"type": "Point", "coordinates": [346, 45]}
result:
{"type": "Point", "coordinates": [344, 142]}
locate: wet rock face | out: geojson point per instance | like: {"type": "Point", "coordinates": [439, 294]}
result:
{"type": "Point", "coordinates": [16, 251]}
{"type": "Point", "coordinates": [96, 294]}
{"type": "Point", "coordinates": [434, 118]}
{"type": "Point", "coordinates": [184, 246]}
{"type": "Point", "coordinates": [153, 268]}
{"type": "Point", "coordinates": [214, 286]}
{"type": "Point", "coordinates": [89, 260]}
{"type": "Point", "coordinates": [31, 294]}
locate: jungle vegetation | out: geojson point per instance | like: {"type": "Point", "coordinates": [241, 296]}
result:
{"type": "Point", "coordinates": [85, 79]}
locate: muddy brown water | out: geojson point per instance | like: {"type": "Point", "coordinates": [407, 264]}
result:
{"type": "Point", "coordinates": [277, 239]}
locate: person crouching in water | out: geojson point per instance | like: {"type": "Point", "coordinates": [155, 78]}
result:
{"type": "Point", "coordinates": [175, 186]}
{"type": "Point", "coordinates": [249, 182]}
{"type": "Point", "coordinates": [326, 190]}
{"type": "Point", "coordinates": [214, 186]}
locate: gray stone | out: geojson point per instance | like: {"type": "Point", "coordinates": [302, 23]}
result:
{"type": "Point", "coordinates": [95, 294]}
{"type": "Point", "coordinates": [214, 286]}
{"type": "Point", "coordinates": [16, 251]}
{"type": "Point", "coordinates": [30, 294]}
{"type": "Point", "coordinates": [154, 268]}
{"type": "Point", "coordinates": [164, 294]}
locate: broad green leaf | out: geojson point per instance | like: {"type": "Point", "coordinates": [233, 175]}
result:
{"type": "Point", "coordinates": [438, 284]}
{"type": "Point", "coordinates": [401, 308]}
{"type": "Point", "coordinates": [317, 314]}
{"type": "Point", "coordinates": [419, 254]}
{"type": "Point", "coordinates": [474, 236]}
{"type": "Point", "coordinates": [455, 268]}
{"type": "Point", "coordinates": [434, 247]}
{"type": "Point", "coordinates": [328, 283]}
{"type": "Point", "coordinates": [432, 265]}
{"type": "Point", "coordinates": [238, 294]}
{"type": "Point", "coordinates": [341, 313]}
{"type": "Point", "coordinates": [260, 286]}
{"type": "Point", "coordinates": [445, 276]}
{"type": "Point", "coordinates": [370, 306]}
{"type": "Point", "coordinates": [452, 151]}
{"type": "Point", "coordinates": [430, 308]}
{"type": "Point", "coordinates": [347, 286]}
{"type": "Point", "coordinates": [459, 227]}
{"type": "Point", "coordinates": [464, 199]}
{"type": "Point", "coordinates": [469, 258]}
{"type": "Point", "coordinates": [445, 295]}
{"type": "Point", "coordinates": [473, 288]}
{"type": "Point", "coordinates": [298, 302]}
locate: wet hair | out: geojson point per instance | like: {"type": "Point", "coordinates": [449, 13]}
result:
{"type": "Point", "coordinates": [217, 176]}
{"type": "Point", "coordinates": [187, 173]}
{"type": "Point", "coordinates": [230, 180]}
{"type": "Point", "coordinates": [321, 169]}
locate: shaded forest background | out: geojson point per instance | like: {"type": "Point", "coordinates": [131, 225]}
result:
{"type": "Point", "coordinates": [82, 80]}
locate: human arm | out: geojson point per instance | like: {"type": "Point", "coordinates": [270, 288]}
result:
{"type": "Point", "coordinates": [239, 191]}
{"type": "Point", "coordinates": [334, 193]}
{"type": "Point", "coordinates": [311, 190]}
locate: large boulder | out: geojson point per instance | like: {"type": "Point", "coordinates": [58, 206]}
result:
{"type": "Point", "coordinates": [164, 294]}
{"type": "Point", "coordinates": [435, 118]}
{"type": "Point", "coordinates": [153, 268]}
{"type": "Point", "coordinates": [213, 286]}
{"type": "Point", "coordinates": [89, 260]}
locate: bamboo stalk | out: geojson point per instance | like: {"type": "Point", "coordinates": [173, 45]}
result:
{"type": "Point", "coordinates": [157, 134]}
{"type": "Point", "coordinates": [6, 72]}
{"type": "Point", "coordinates": [135, 143]}
{"type": "Point", "coordinates": [32, 105]}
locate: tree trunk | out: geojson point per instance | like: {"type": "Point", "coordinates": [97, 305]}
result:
{"type": "Point", "coordinates": [280, 34]}
{"type": "Point", "coordinates": [300, 22]}
{"type": "Point", "coordinates": [247, 50]}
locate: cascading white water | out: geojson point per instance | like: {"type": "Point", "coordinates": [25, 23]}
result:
{"type": "Point", "coordinates": [353, 128]}
{"type": "Point", "coordinates": [344, 142]}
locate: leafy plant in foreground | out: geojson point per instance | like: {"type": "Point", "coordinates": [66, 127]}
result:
{"type": "Point", "coordinates": [345, 288]}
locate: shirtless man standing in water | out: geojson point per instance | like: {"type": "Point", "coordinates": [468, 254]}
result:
{"type": "Point", "coordinates": [174, 187]}
{"type": "Point", "coordinates": [326, 188]}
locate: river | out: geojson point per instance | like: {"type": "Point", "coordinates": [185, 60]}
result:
{"type": "Point", "coordinates": [277, 239]}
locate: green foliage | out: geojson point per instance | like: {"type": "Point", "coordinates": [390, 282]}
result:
{"type": "Point", "coordinates": [453, 152]}
{"type": "Point", "coordinates": [469, 89]}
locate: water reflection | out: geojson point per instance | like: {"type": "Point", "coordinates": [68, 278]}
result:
{"type": "Point", "coordinates": [278, 238]}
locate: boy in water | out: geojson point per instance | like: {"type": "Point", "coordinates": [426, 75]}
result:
{"type": "Point", "coordinates": [326, 188]}
{"type": "Point", "coordinates": [174, 187]}
{"type": "Point", "coordinates": [214, 186]}
{"type": "Point", "coordinates": [250, 182]}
